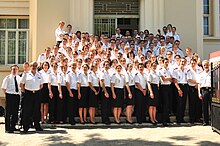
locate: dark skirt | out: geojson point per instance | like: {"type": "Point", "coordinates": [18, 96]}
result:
{"type": "Point", "coordinates": [118, 102]}
{"type": "Point", "coordinates": [83, 101]}
{"type": "Point", "coordinates": [154, 101]}
{"type": "Point", "coordinates": [131, 101]}
{"type": "Point", "coordinates": [93, 99]}
{"type": "Point", "coordinates": [45, 93]}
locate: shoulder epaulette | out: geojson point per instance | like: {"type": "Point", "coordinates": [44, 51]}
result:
{"type": "Point", "coordinates": [188, 70]}
{"type": "Point", "coordinates": [42, 54]}
{"type": "Point", "coordinates": [175, 68]}
{"type": "Point", "coordinates": [136, 74]}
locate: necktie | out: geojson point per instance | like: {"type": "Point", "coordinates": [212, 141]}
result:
{"type": "Point", "coordinates": [16, 84]}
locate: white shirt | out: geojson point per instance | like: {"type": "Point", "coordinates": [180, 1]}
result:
{"type": "Point", "coordinates": [204, 79]}
{"type": "Point", "coordinates": [104, 75]}
{"type": "Point", "coordinates": [45, 75]}
{"type": "Point", "coordinates": [83, 80]}
{"type": "Point", "coordinates": [61, 79]}
{"type": "Point", "coordinates": [180, 76]}
{"type": "Point", "coordinates": [93, 79]}
{"type": "Point", "coordinates": [58, 32]}
{"type": "Point", "coordinates": [118, 80]}
{"type": "Point", "coordinates": [165, 73]}
{"type": "Point", "coordinates": [72, 79]}
{"type": "Point", "coordinates": [129, 78]}
{"type": "Point", "coordinates": [153, 78]}
{"type": "Point", "coordinates": [42, 57]}
{"type": "Point", "coordinates": [32, 82]}
{"type": "Point", "coordinates": [141, 79]}
{"type": "Point", "coordinates": [9, 84]}
{"type": "Point", "coordinates": [193, 74]}
{"type": "Point", "coordinates": [53, 78]}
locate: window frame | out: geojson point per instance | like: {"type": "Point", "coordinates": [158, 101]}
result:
{"type": "Point", "coordinates": [16, 30]}
{"type": "Point", "coordinates": [209, 19]}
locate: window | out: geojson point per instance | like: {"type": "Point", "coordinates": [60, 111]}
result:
{"type": "Point", "coordinates": [13, 40]}
{"type": "Point", "coordinates": [206, 18]}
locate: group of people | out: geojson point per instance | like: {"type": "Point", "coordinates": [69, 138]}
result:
{"type": "Point", "coordinates": [139, 73]}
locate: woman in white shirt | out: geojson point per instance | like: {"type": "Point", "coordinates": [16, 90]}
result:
{"type": "Point", "coordinates": [53, 92]}
{"type": "Point", "coordinates": [117, 88]}
{"type": "Point", "coordinates": [130, 93]}
{"type": "Point", "coordinates": [45, 73]}
{"type": "Point", "coordinates": [83, 92]}
{"type": "Point", "coordinates": [153, 87]}
{"type": "Point", "coordinates": [93, 80]}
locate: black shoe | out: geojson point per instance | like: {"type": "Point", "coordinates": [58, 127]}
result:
{"type": "Point", "coordinates": [107, 122]}
{"type": "Point", "coordinates": [129, 122]}
{"type": "Point", "coordinates": [178, 123]}
{"type": "Point", "coordinates": [183, 121]}
{"type": "Point", "coordinates": [205, 124]}
{"type": "Point", "coordinates": [165, 124]}
{"type": "Point", "coordinates": [39, 129]}
{"type": "Point", "coordinates": [24, 131]}
{"type": "Point", "coordinates": [72, 123]}
{"type": "Point", "coordinates": [10, 131]}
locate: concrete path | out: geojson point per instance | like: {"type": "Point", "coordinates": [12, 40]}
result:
{"type": "Point", "coordinates": [101, 135]}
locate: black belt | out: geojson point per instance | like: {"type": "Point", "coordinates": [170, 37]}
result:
{"type": "Point", "coordinates": [206, 88]}
{"type": "Point", "coordinates": [29, 91]}
{"type": "Point", "coordinates": [181, 84]}
{"type": "Point", "coordinates": [13, 94]}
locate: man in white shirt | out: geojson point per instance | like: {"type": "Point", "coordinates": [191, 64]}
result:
{"type": "Point", "coordinates": [59, 32]}
{"type": "Point", "coordinates": [30, 84]}
{"type": "Point", "coordinates": [10, 87]}
{"type": "Point", "coordinates": [204, 91]}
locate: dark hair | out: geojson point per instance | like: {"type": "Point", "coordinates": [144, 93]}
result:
{"type": "Point", "coordinates": [165, 59]}
{"type": "Point", "coordinates": [45, 62]}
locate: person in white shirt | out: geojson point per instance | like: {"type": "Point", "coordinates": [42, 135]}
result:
{"type": "Point", "coordinates": [72, 87]}
{"type": "Point", "coordinates": [83, 92]}
{"type": "Point", "coordinates": [118, 33]}
{"type": "Point", "coordinates": [105, 81]}
{"type": "Point", "coordinates": [69, 30]}
{"type": "Point", "coordinates": [175, 34]}
{"type": "Point", "coordinates": [53, 93]}
{"type": "Point", "coordinates": [141, 91]}
{"type": "Point", "coordinates": [117, 88]}
{"type": "Point", "coordinates": [44, 56]}
{"type": "Point", "coordinates": [59, 32]}
{"type": "Point", "coordinates": [63, 94]}
{"type": "Point", "coordinates": [166, 90]}
{"type": "Point", "coordinates": [153, 87]}
{"type": "Point", "coordinates": [45, 73]}
{"type": "Point", "coordinates": [195, 106]}
{"type": "Point", "coordinates": [11, 90]}
{"type": "Point", "coordinates": [30, 84]}
{"type": "Point", "coordinates": [180, 80]}
{"type": "Point", "coordinates": [130, 95]}
{"type": "Point", "coordinates": [93, 80]}
{"type": "Point", "coordinates": [204, 91]}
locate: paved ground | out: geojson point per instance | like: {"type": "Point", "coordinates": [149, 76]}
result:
{"type": "Point", "coordinates": [101, 135]}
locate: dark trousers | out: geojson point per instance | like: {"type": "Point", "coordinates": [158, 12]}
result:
{"type": "Point", "coordinates": [166, 94]}
{"type": "Point", "coordinates": [62, 105]}
{"type": "Point", "coordinates": [194, 104]}
{"type": "Point", "coordinates": [72, 105]}
{"type": "Point", "coordinates": [53, 104]}
{"type": "Point", "coordinates": [173, 99]}
{"type": "Point", "coordinates": [31, 109]}
{"type": "Point", "coordinates": [181, 104]}
{"type": "Point", "coordinates": [140, 106]}
{"type": "Point", "coordinates": [11, 111]}
{"type": "Point", "coordinates": [206, 104]}
{"type": "Point", "coordinates": [106, 106]}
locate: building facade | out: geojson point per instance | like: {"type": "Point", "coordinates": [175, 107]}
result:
{"type": "Point", "coordinates": [27, 26]}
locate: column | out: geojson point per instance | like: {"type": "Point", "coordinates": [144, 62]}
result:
{"type": "Point", "coordinates": [199, 27]}
{"type": "Point", "coordinates": [216, 18]}
{"type": "Point", "coordinates": [151, 15]}
{"type": "Point", "coordinates": [81, 15]}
